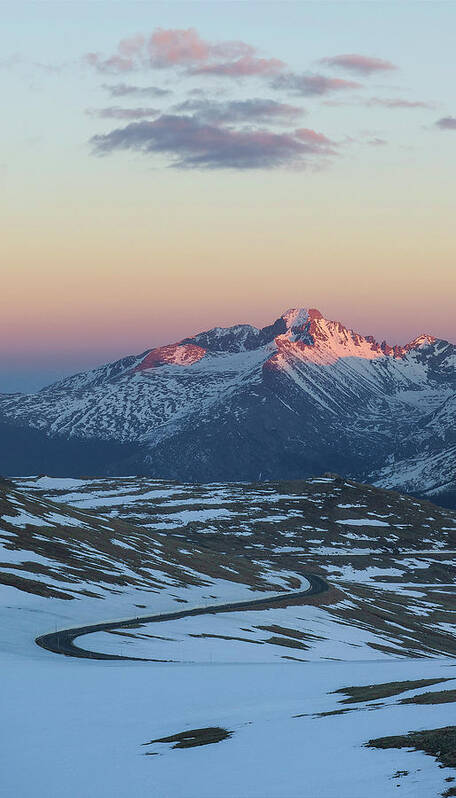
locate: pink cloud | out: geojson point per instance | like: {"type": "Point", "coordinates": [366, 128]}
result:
{"type": "Point", "coordinates": [242, 67]}
{"type": "Point", "coordinates": [362, 64]}
{"type": "Point", "coordinates": [313, 138]}
{"type": "Point", "coordinates": [131, 46]}
{"type": "Point", "coordinates": [129, 54]}
{"type": "Point", "coordinates": [174, 47]}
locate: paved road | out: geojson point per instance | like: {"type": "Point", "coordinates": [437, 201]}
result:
{"type": "Point", "coordinates": [63, 642]}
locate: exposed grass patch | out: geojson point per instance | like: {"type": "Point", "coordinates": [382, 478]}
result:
{"type": "Point", "coordinates": [371, 692]}
{"type": "Point", "coordinates": [328, 714]}
{"type": "Point", "coordinates": [32, 586]}
{"type": "Point", "coordinates": [288, 642]}
{"type": "Point", "coordinates": [195, 737]}
{"type": "Point", "coordinates": [439, 743]}
{"type": "Point", "coordinates": [440, 697]}
{"type": "Point", "coordinates": [285, 631]}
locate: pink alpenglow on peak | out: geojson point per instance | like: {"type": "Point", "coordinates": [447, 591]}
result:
{"type": "Point", "coordinates": [314, 339]}
{"type": "Point", "coordinates": [300, 334]}
{"type": "Point", "coordinates": [172, 355]}
{"type": "Point", "coordinates": [420, 341]}
{"type": "Point", "coordinates": [298, 317]}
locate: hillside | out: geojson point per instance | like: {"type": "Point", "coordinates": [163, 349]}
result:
{"type": "Point", "coordinates": [138, 542]}
{"type": "Point", "coordinates": [275, 684]}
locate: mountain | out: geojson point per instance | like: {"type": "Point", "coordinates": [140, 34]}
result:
{"type": "Point", "coordinates": [301, 396]}
{"type": "Point", "coordinates": [433, 467]}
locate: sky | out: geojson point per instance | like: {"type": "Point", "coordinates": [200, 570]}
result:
{"type": "Point", "coordinates": [170, 167]}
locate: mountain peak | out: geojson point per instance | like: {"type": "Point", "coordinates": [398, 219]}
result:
{"type": "Point", "coordinates": [422, 340]}
{"type": "Point", "coordinates": [295, 317]}
{"type": "Point", "coordinates": [180, 354]}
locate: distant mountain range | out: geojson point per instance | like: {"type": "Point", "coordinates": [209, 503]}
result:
{"type": "Point", "coordinates": [298, 397]}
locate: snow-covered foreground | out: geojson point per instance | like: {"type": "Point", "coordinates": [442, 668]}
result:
{"type": "Point", "coordinates": [77, 728]}
{"type": "Point", "coordinates": [80, 727]}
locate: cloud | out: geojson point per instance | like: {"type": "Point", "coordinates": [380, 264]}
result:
{"type": "Point", "coordinates": [192, 143]}
{"type": "Point", "coordinates": [17, 60]}
{"type": "Point", "coordinates": [238, 111]}
{"type": "Point", "coordinates": [309, 84]}
{"type": "Point", "coordinates": [398, 103]}
{"type": "Point", "coordinates": [361, 64]}
{"type": "Point", "coordinates": [115, 112]}
{"type": "Point", "coordinates": [114, 64]}
{"type": "Point", "coordinates": [384, 102]}
{"type": "Point", "coordinates": [241, 67]}
{"type": "Point", "coordinates": [447, 123]}
{"type": "Point", "coordinates": [129, 56]}
{"type": "Point", "coordinates": [10, 61]}
{"type": "Point", "coordinates": [126, 90]}
{"type": "Point", "coordinates": [185, 49]}
{"type": "Point", "coordinates": [175, 47]}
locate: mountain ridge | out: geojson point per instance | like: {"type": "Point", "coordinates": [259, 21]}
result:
{"type": "Point", "coordinates": [300, 396]}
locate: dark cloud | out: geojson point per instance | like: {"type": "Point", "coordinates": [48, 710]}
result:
{"type": "Point", "coordinates": [125, 90]}
{"type": "Point", "coordinates": [238, 111]}
{"type": "Point", "coordinates": [114, 112]}
{"type": "Point", "coordinates": [447, 123]}
{"type": "Point", "coordinates": [192, 143]}
{"type": "Point", "coordinates": [308, 85]}
{"type": "Point", "coordinates": [361, 64]}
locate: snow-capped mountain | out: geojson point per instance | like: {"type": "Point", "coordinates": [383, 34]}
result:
{"type": "Point", "coordinates": [297, 397]}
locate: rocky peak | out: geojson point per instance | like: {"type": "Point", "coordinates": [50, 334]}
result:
{"type": "Point", "coordinates": [422, 340]}
{"type": "Point", "coordinates": [295, 318]}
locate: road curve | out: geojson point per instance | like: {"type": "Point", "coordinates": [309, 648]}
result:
{"type": "Point", "coordinates": [62, 642]}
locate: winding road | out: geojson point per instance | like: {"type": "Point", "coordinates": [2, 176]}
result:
{"type": "Point", "coordinates": [62, 642]}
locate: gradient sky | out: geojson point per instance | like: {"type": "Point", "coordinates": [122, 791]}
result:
{"type": "Point", "coordinates": [218, 166]}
